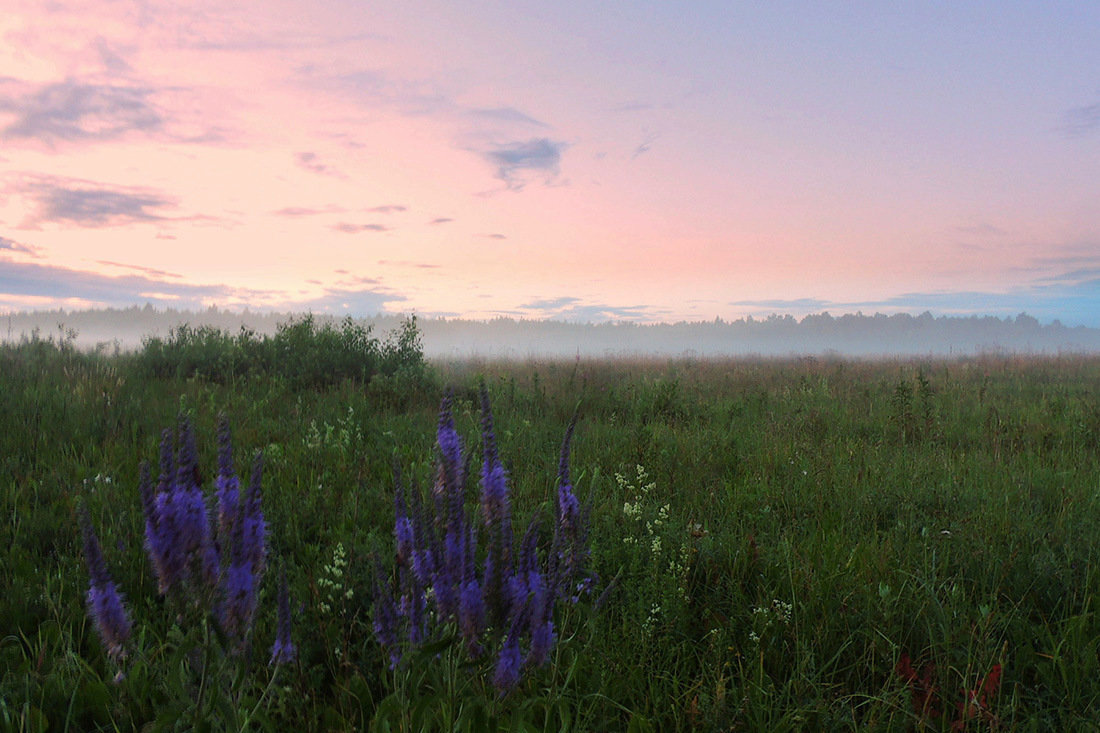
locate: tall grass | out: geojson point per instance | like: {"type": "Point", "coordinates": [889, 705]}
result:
{"type": "Point", "coordinates": [797, 531]}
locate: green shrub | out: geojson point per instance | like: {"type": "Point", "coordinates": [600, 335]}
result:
{"type": "Point", "coordinates": [303, 352]}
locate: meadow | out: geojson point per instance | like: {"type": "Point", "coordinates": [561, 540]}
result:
{"type": "Point", "coordinates": [802, 544]}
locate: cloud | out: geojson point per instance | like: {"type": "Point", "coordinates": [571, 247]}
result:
{"type": "Point", "coordinates": [138, 268]}
{"type": "Point", "coordinates": [54, 284]}
{"type": "Point", "coordinates": [782, 304]}
{"type": "Point", "coordinates": [644, 145]}
{"type": "Point", "coordinates": [494, 236]}
{"type": "Point", "coordinates": [10, 245]}
{"type": "Point", "coordinates": [348, 228]}
{"type": "Point", "coordinates": [441, 220]}
{"type": "Point", "coordinates": [74, 111]}
{"type": "Point", "coordinates": [312, 163]}
{"type": "Point", "coordinates": [62, 283]}
{"type": "Point", "coordinates": [1075, 302]}
{"type": "Point", "coordinates": [506, 114]}
{"type": "Point", "coordinates": [514, 161]}
{"type": "Point", "coordinates": [407, 263]}
{"type": "Point", "coordinates": [632, 107]}
{"type": "Point", "coordinates": [1081, 121]}
{"type": "Point", "coordinates": [550, 303]}
{"type": "Point", "coordinates": [109, 58]}
{"type": "Point", "coordinates": [375, 89]}
{"type": "Point", "coordinates": [69, 201]}
{"type": "Point", "coordinates": [982, 230]}
{"type": "Point", "coordinates": [352, 301]}
{"type": "Point", "coordinates": [569, 308]}
{"type": "Point", "coordinates": [391, 209]}
{"type": "Point", "coordinates": [355, 280]}
{"type": "Point", "coordinates": [296, 211]}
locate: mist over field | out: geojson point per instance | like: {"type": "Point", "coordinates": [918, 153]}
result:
{"type": "Point", "coordinates": [859, 336]}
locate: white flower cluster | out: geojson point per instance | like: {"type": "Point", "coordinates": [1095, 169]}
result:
{"type": "Point", "coordinates": [345, 435]}
{"type": "Point", "coordinates": [764, 617]}
{"type": "Point", "coordinates": [666, 557]}
{"type": "Point", "coordinates": [332, 580]}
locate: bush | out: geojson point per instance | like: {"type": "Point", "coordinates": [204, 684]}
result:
{"type": "Point", "coordinates": [303, 352]}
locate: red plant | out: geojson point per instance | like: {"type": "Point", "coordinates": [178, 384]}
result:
{"type": "Point", "coordinates": [922, 690]}
{"type": "Point", "coordinates": [977, 705]}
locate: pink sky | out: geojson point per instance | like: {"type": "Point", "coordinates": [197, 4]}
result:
{"type": "Point", "coordinates": [573, 160]}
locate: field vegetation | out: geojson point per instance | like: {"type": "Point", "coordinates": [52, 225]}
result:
{"type": "Point", "coordinates": [813, 544]}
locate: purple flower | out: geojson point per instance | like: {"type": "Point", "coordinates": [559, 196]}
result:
{"type": "Point", "coordinates": [240, 599]}
{"type": "Point", "coordinates": [471, 615]}
{"type": "Point", "coordinates": [104, 601]}
{"type": "Point", "coordinates": [542, 641]}
{"type": "Point", "coordinates": [450, 446]}
{"type": "Point", "coordinates": [506, 675]}
{"type": "Point", "coordinates": [416, 614]}
{"type": "Point", "coordinates": [226, 486]}
{"type": "Point", "coordinates": [504, 602]}
{"type": "Point", "coordinates": [162, 522]}
{"type": "Point", "coordinates": [189, 502]}
{"type": "Point", "coordinates": [283, 650]}
{"type": "Point", "coordinates": [255, 528]}
{"type": "Point", "coordinates": [495, 503]}
{"type": "Point", "coordinates": [169, 562]}
{"type": "Point", "coordinates": [403, 533]}
{"type": "Point", "coordinates": [385, 616]}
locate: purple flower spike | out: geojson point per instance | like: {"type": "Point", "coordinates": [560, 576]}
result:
{"type": "Point", "coordinates": [385, 616]}
{"type": "Point", "coordinates": [450, 446]}
{"type": "Point", "coordinates": [283, 650]}
{"type": "Point", "coordinates": [568, 507]}
{"type": "Point", "coordinates": [494, 480]}
{"type": "Point", "coordinates": [227, 486]}
{"type": "Point", "coordinates": [507, 671]}
{"type": "Point", "coordinates": [189, 504]}
{"type": "Point", "coordinates": [542, 641]}
{"type": "Point", "coordinates": [104, 601]}
{"type": "Point", "coordinates": [240, 600]}
{"type": "Point", "coordinates": [403, 532]}
{"type": "Point", "coordinates": [471, 615]}
{"type": "Point", "coordinates": [255, 528]}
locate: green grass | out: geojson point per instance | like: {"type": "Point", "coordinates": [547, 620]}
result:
{"type": "Point", "coordinates": [947, 510]}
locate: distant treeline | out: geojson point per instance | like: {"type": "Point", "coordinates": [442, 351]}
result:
{"type": "Point", "coordinates": [854, 335]}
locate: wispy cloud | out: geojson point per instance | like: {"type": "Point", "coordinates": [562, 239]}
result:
{"type": "Point", "coordinates": [374, 88]}
{"type": "Point", "coordinates": [515, 162]}
{"type": "Point", "coordinates": [85, 204]}
{"type": "Point", "coordinates": [408, 263]}
{"type": "Point", "coordinates": [138, 268]}
{"type": "Point", "coordinates": [982, 230]}
{"type": "Point", "coordinates": [353, 301]}
{"type": "Point", "coordinates": [634, 106]}
{"type": "Point", "coordinates": [299, 211]}
{"type": "Point", "coordinates": [1081, 121]}
{"type": "Point", "coordinates": [644, 145]}
{"type": "Point", "coordinates": [543, 304]}
{"type": "Point", "coordinates": [50, 281]}
{"type": "Point", "coordinates": [352, 281]}
{"type": "Point", "coordinates": [10, 245]}
{"type": "Point", "coordinates": [389, 209]}
{"type": "Point", "coordinates": [784, 304]}
{"type": "Point", "coordinates": [506, 114]}
{"type": "Point", "coordinates": [312, 162]}
{"type": "Point", "coordinates": [569, 308]}
{"type": "Point", "coordinates": [349, 228]}
{"type": "Point", "coordinates": [75, 111]}
{"type": "Point", "coordinates": [1075, 300]}
{"type": "Point", "coordinates": [441, 220]}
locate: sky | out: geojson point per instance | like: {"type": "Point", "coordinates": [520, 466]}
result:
{"type": "Point", "coordinates": [586, 161]}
